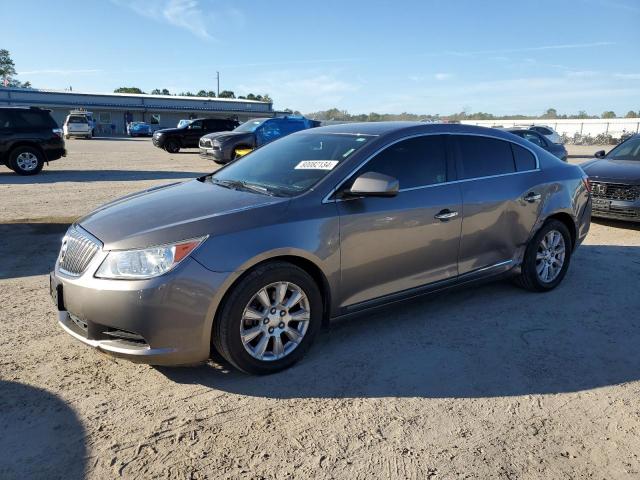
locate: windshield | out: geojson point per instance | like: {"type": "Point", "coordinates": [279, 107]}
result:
{"type": "Point", "coordinates": [293, 164]}
{"type": "Point", "coordinates": [629, 150]}
{"type": "Point", "coordinates": [249, 126]}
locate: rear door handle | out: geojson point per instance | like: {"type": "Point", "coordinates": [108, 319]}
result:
{"type": "Point", "coordinates": [446, 214]}
{"type": "Point", "coordinates": [532, 197]}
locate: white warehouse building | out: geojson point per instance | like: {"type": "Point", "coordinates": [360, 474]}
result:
{"type": "Point", "coordinates": [615, 127]}
{"type": "Point", "coordinates": [111, 110]}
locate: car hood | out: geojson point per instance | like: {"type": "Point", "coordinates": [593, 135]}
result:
{"type": "Point", "coordinates": [168, 131]}
{"type": "Point", "coordinates": [226, 136]}
{"type": "Point", "coordinates": [177, 212]}
{"type": "Point", "coordinates": [625, 171]}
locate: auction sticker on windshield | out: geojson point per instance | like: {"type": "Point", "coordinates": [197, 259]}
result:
{"type": "Point", "coordinates": [316, 165]}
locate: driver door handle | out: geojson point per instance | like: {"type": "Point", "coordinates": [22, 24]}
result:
{"type": "Point", "coordinates": [532, 197]}
{"type": "Point", "coordinates": [446, 214]}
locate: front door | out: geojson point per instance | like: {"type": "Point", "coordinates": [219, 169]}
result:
{"type": "Point", "coordinates": [393, 244]}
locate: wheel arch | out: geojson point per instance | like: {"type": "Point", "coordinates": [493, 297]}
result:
{"type": "Point", "coordinates": [22, 143]}
{"type": "Point", "coordinates": [569, 222]}
{"type": "Point", "coordinates": [301, 262]}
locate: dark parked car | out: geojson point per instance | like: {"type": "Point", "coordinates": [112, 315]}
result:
{"type": "Point", "coordinates": [556, 149]}
{"type": "Point", "coordinates": [29, 137]}
{"type": "Point", "coordinates": [323, 223]}
{"type": "Point", "coordinates": [187, 136]}
{"type": "Point", "coordinates": [615, 181]}
{"type": "Point", "coordinates": [227, 146]}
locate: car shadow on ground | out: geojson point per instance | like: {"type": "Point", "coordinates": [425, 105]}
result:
{"type": "Point", "coordinates": [616, 223]}
{"type": "Point", "coordinates": [55, 176]}
{"type": "Point", "coordinates": [485, 341]}
{"type": "Point", "coordinates": [30, 249]}
{"type": "Point", "coordinates": [40, 435]}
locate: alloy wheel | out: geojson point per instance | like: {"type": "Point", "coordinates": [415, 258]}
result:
{"type": "Point", "coordinates": [275, 321]}
{"type": "Point", "coordinates": [27, 161]}
{"type": "Point", "coordinates": [550, 256]}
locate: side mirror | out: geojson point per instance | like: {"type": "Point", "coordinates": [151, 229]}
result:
{"type": "Point", "coordinates": [600, 154]}
{"type": "Point", "coordinates": [373, 184]}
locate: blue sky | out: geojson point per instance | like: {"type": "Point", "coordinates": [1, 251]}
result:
{"type": "Point", "coordinates": [430, 56]}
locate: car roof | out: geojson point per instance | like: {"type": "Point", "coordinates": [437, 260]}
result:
{"type": "Point", "coordinates": [389, 128]}
{"type": "Point", "coordinates": [528, 130]}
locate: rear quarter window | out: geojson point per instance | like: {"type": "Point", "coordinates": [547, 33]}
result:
{"type": "Point", "coordinates": [524, 158]}
{"type": "Point", "coordinates": [32, 119]}
{"type": "Point", "coordinates": [483, 156]}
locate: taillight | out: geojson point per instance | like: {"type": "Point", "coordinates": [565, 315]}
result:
{"type": "Point", "coordinates": [57, 132]}
{"type": "Point", "coordinates": [587, 183]}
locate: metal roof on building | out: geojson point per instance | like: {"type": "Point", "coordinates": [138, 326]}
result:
{"type": "Point", "coordinates": [128, 101]}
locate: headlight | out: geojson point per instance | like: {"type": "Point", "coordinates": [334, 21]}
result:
{"type": "Point", "coordinates": [146, 263]}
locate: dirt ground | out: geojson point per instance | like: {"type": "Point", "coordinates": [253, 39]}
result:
{"type": "Point", "coordinates": [489, 382]}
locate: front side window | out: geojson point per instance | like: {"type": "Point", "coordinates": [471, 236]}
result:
{"type": "Point", "coordinates": [483, 156]}
{"type": "Point", "coordinates": [292, 164]}
{"type": "Point", "coordinates": [629, 150]}
{"type": "Point", "coordinates": [415, 162]}
{"type": "Point", "coordinates": [195, 125]}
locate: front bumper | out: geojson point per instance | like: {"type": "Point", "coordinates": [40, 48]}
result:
{"type": "Point", "coordinates": [162, 321]}
{"type": "Point", "coordinates": [617, 210]}
{"type": "Point", "coordinates": [157, 141]}
{"type": "Point", "coordinates": [215, 155]}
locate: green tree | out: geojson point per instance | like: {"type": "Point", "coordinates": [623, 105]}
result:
{"type": "Point", "coordinates": [7, 67]}
{"type": "Point", "coordinates": [128, 90]}
{"type": "Point", "coordinates": [609, 114]}
{"type": "Point", "coordinates": [631, 114]}
{"type": "Point", "coordinates": [550, 113]}
{"type": "Point", "coordinates": [206, 93]}
{"type": "Point", "coordinates": [227, 94]}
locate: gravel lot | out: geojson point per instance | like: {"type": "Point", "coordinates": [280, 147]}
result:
{"type": "Point", "coordinates": [490, 382]}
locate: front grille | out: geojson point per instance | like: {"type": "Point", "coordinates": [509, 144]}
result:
{"type": "Point", "coordinates": [78, 248]}
{"type": "Point", "coordinates": [615, 191]}
{"type": "Point", "coordinates": [206, 143]}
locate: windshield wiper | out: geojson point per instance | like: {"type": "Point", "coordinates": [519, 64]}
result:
{"type": "Point", "coordinates": [240, 185]}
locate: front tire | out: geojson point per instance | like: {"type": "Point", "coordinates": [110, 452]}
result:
{"type": "Point", "coordinates": [172, 146]}
{"type": "Point", "coordinates": [26, 161]}
{"type": "Point", "coordinates": [546, 258]}
{"type": "Point", "coordinates": [269, 319]}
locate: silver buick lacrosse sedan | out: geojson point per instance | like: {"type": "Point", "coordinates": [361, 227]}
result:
{"type": "Point", "coordinates": [253, 259]}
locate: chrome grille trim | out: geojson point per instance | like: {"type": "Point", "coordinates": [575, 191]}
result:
{"type": "Point", "coordinates": [206, 143]}
{"type": "Point", "coordinates": [78, 249]}
{"type": "Point", "coordinates": [615, 191]}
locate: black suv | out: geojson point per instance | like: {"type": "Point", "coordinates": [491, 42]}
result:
{"type": "Point", "coordinates": [29, 137]}
{"type": "Point", "coordinates": [187, 136]}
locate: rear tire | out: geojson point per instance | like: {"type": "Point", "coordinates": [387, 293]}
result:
{"type": "Point", "coordinates": [26, 161]}
{"type": "Point", "coordinates": [172, 146]}
{"type": "Point", "coordinates": [276, 330]}
{"type": "Point", "coordinates": [546, 258]}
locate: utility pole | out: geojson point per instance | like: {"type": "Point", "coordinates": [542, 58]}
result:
{"type": "Point", "coordinates": [218, 78]}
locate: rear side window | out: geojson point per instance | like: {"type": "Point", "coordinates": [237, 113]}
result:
{"type": "Point", "coordinates": [533, 138]}
{"type": "Point", "coordinates": [483, 156]}
{"type": "Point", "coordinates": [31, 119]}
{"type": "Point", "coordinates": [415, 162]}
{"type": "Point", "coordinates": [542, 130]}
{"type": "Point", "coordinates": [524, 158]}
{"type": "Point", "coordinates": [5, 120]}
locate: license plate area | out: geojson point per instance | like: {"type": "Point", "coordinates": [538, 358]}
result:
{"type": "Point", "coordinates": [55, 290]}
{"type": "Point", "coordinates": [601, 203]}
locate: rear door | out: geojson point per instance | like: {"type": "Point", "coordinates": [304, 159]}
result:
{"type": "Point", "coordinates": [501, 199]}
{"type": "Point", "coordinates": [393, 244]}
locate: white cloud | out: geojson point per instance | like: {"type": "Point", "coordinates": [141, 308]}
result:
{"type": "Point", "coordinates": [309, 91]}
{"type": "Point", "coordinates": [61, 71]}
{"type": "Point", "coordinates": [627, 76]}
{"type": "Point", "coordinates": [443, 76]}
{"type": "Point", "coordinates": [186, 14]}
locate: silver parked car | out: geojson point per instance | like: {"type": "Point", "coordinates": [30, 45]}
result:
{"type": "Point", "coordinates": [253, 259]}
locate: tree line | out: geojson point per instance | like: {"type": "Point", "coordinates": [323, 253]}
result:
{"type": "Point", "coordinates": [201, 93]}
{"type": "Point", "coordinates": [551, 113]}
